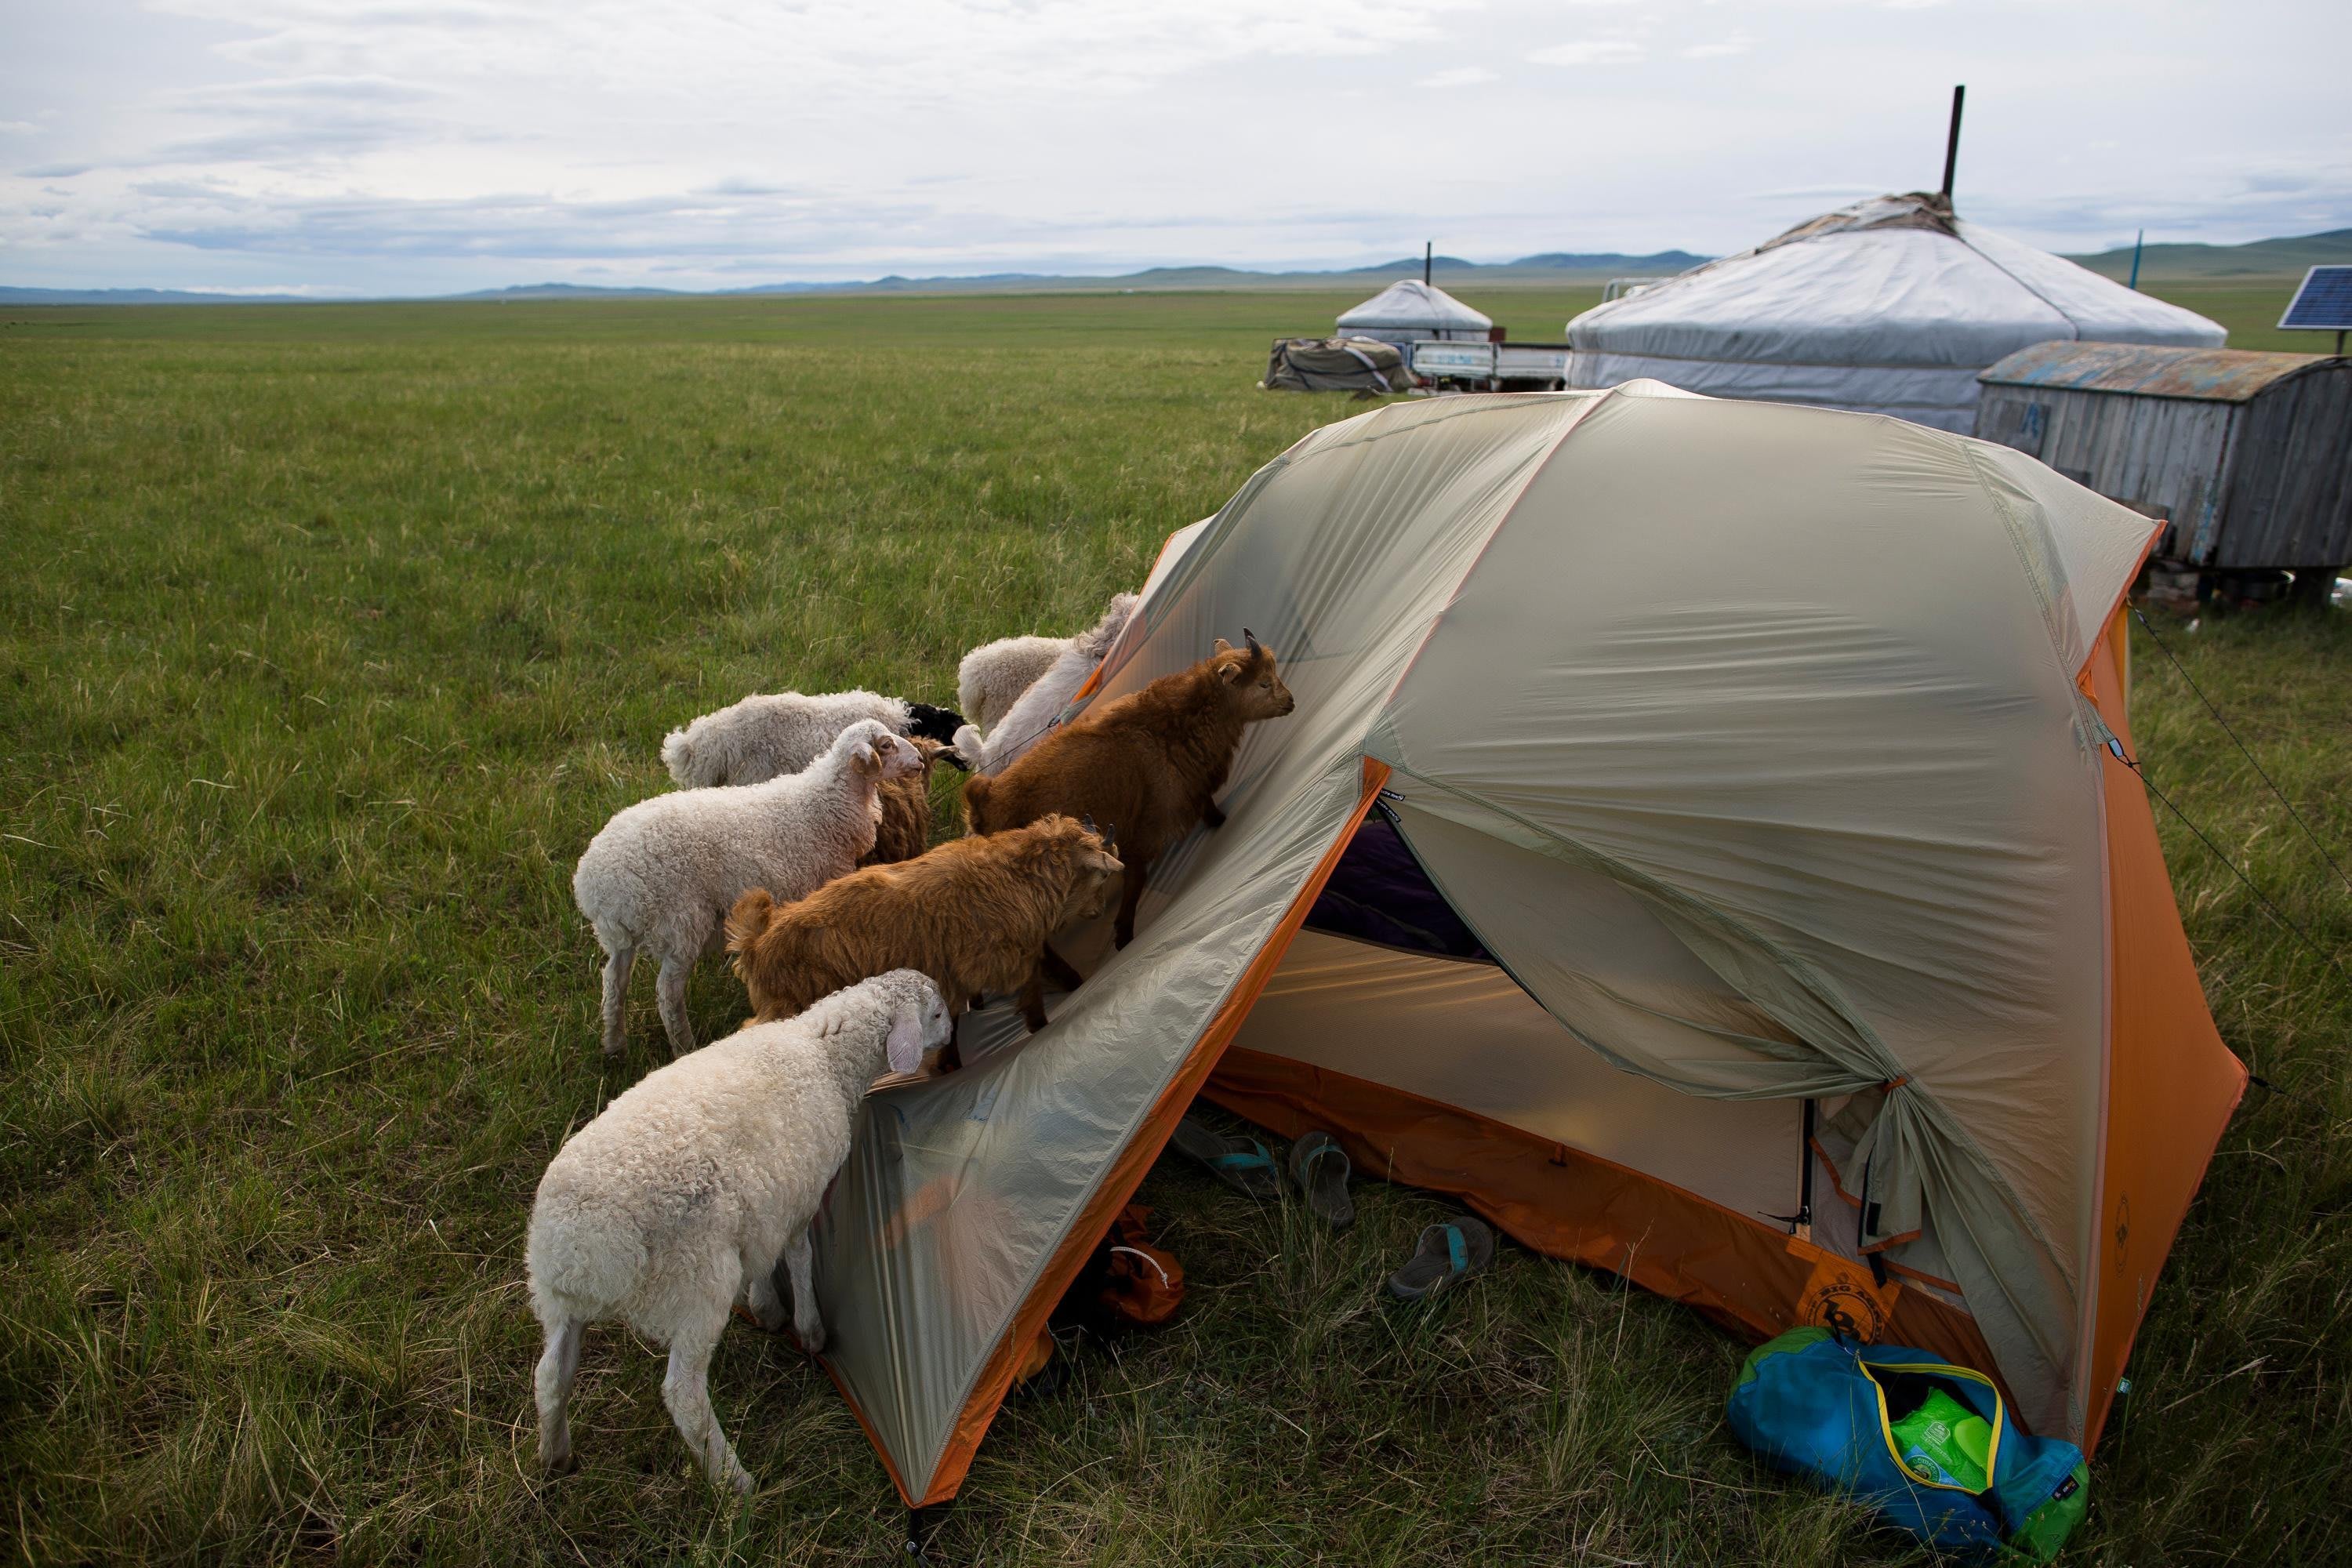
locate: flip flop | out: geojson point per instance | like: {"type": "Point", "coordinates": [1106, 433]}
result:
{"type": "Point", "coordinates": [1242, 1164]}
{"type": "Point", "coordinates": [1321, 1168]}
{"type": "Point", "coordinates": [1448, 1252]}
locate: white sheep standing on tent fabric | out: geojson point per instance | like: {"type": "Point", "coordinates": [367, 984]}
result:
{"type": "Point", "coordinates": [678, 1201]}
{"type": "Point", "coordinates": [1042, 699]}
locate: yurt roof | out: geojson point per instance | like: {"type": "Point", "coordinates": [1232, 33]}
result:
{"type": "Point", "coordinates": [1893, 281]}
{"type": "Point", "coordinates": [1410, 305]}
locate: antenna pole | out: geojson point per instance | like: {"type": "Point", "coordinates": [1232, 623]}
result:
{"type": "Point", "coordinates": [1952, 142]}
{"type": "Point", "coordinates": [1428, 256]}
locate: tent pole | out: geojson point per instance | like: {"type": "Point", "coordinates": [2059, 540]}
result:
{"type": "Point", "coordinates": [1804, 1226]}
{"type": "Point", "coordinates": [1952, 143]}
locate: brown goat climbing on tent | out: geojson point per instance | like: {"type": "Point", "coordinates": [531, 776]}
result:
{"type": "Point", "coordinates": [1148, 765]}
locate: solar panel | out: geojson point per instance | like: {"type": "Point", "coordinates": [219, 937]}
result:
{"type": "Point", "coordinates": [2323, 304]}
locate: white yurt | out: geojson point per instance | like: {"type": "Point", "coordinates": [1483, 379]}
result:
{"type": "Point", "coordinates": [1411, 311]}
{"type": "Point", "coordinates": [1889, 306]}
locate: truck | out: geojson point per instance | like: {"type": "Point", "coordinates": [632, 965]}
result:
{"type": "Point", "coordinates": [1492, 366]}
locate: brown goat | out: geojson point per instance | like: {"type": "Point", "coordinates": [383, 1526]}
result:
{"type": "Point", "coordinates": [1148, 765]}
{"type": "Point", "coordinates": [973, 914]}
{"type": "Point", "coordinates": [902, 827]}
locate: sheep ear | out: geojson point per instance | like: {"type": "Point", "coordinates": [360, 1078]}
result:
{"type": "Point", "coordinates": [904, 1049]}
{"type": "Point", "coordinates": [865, 759]}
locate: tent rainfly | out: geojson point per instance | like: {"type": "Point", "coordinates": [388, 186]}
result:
{"type": "Point", "coordinates": [1411, 311]}
{"type": "Point", "coordinates": [1705, 845]}
{"type": "Point", "coordinates": [1889, 306]}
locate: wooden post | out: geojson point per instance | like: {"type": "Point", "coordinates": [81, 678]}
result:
{"type": "Point", "coordinates": [1952, 142]}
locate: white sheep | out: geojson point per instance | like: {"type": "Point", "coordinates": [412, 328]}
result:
{"type": "Point", "coordinates": [663, 872]}
{"type": "Point", "coordinates": [1033, 712]}
{"type": "Point", "coordinates": [678, 1201]}
{"type": "Point", "coordinates": [992, 676]}
{"type": "Point", "coordinates": [765, 737]}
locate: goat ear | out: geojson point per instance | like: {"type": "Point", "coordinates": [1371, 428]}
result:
{"type": "Point", "coordinates": [1223, 646]}
{"type": "Point", "coordinates": [903, 1051]}
{"type": "Point", "coordinates": [1236, 672]}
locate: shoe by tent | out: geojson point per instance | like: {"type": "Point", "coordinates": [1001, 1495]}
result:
{"type": "Point", "coordinates": [1411, 311]}
{"type": "Point", "coordinates": [1889, 306]}
{"type": "Point", "coordinates": [1690, 806]}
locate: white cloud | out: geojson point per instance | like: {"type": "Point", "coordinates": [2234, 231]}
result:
{"type": "Point", "coordinates": [1591, 52]}
{"type": "Point", "coordinates": [408, 145]}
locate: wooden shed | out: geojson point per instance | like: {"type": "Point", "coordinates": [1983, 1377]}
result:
{"type": "Point", "coordinates": [2247, 456]}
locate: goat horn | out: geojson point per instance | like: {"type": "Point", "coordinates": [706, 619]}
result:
{"type": "Point", "coordinates": [1111, 836]}
{"type": "Point", "coordinates": [1250, 638]}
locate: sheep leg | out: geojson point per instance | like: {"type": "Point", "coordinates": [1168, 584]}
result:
{"type": "Point", "coordinates": [557, 1368]}
{"type": "Point", "coordinates": [617, 965]}
{"type": "Point", "coordinates": [1131, 895]}
{"type": "Point", "coordinates": [669, 990]}
{"type": "Point", "coordinates": [1058, 969]}
{"type": "Point", "coordinates": [800, 1259]}
{"type": "Point", "coordinates": [686, 1391]}
{"type": "Point", "coordinates": [767, 1305]}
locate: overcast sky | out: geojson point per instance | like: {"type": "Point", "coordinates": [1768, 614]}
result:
{"type": "Point", "coordinates": [447, 144]}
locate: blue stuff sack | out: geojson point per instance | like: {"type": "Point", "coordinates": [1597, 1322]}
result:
{"type": "Point", "coordinates": [1824, 1408]}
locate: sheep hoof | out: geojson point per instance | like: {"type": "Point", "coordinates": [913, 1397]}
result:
{"type": "Point", "coordinates": [561, 1466]}
{"type": "Point", "coordinates": [812, 1339]}
{"type": "Point", "coordinates": [740, 1483]}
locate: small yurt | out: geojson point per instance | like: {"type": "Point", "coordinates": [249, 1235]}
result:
{"type": "Point", "coordinates": [1412, 311]}
{"type": "Point", "coordinates": [1889, 306]}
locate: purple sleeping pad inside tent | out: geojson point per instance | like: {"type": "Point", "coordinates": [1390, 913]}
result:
{"type": "Point", "coordinates": [1379, 893]}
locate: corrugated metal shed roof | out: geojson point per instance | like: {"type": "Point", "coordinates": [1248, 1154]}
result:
{"type": "Point", "coordinates": [2208, 375]}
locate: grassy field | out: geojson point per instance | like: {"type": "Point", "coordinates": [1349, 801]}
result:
{"type": "Point", "coordinates": [331, 635]}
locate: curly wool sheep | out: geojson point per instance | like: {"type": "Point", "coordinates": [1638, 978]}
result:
{"type": "Point", "coordinates": [992, 676]}
{"type": "Point", "coordinates": [663, 872]}
{"type": "Point", "coordinates": [1033, 713]}
{"type": "Point", "coordinates": [679, 1199]}
{"type": "Point", "coordinates": [766, 737]}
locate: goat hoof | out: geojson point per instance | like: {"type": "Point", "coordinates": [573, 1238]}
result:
{"type": "Point", "coordinates": [812, 1340]}
{"type": "Point", "coordinates": [558, 1469]}
{"type": "Point", "coordinates": [740, 1483]}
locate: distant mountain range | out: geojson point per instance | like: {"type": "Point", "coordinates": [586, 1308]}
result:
{"type": "Point", "coordinates": [2261, 258]}
{"type": "Point", "coordinates": [1450, 271]}
{"type": "Point", "coordinates": [2216, 263]}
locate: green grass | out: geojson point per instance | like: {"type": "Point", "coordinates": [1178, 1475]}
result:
{"type": "Point", "coordinates": [332, 633]}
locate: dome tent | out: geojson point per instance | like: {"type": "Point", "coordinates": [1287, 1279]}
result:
{"type": "Point", "coordinates": [1889, 306]}
{"type": "Point", "coordinates": [1762, 837]}
{"type": "Point", "coordinates": [1411, 311]}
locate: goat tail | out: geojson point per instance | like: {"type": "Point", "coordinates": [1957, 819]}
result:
{"type": "Point", "coordinates": [748, 922]}
{"type": "Point", "coordinates": [975, 801]}
{"type": "Point", "coordinates": [678, 756]}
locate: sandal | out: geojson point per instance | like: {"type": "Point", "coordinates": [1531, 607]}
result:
{"type": "Point", "coordinates": [1242, 1164]}
{"type": "Point", "coordinates": [1449, 1251]}
{"type": "Point", "coordinates": [1321, 1169]}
